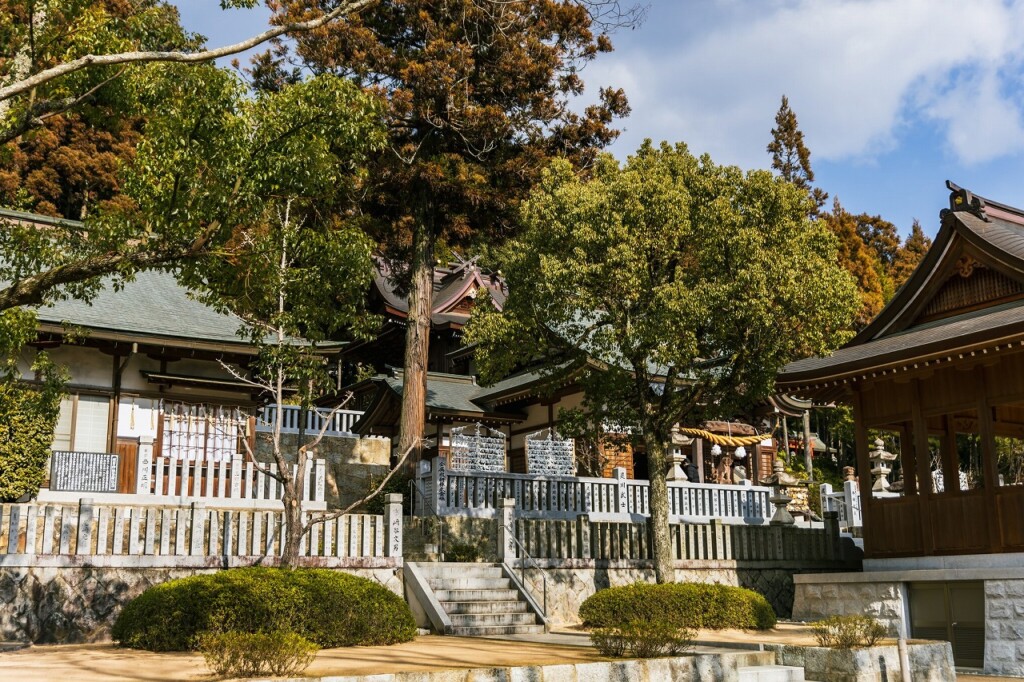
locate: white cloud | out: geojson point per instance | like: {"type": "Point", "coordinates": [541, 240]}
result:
{"type": "Point", "coordinates": [856, 73]}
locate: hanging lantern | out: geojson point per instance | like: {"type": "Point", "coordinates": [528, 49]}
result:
{"type": "Point", "coordinates": [740, 453]}
{"type": "Point", "coordinates": [716, 450]}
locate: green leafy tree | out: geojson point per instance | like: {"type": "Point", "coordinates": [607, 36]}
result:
{"type": "Point", "coordinates": [686, 280]}
{"type": "Point", "coordinates": [275, 174]}
{"type": "Point", "coordinates": [478, 99]}
{"type": "Point", "coordinates": [28, 416]}
{"type": "Point", "coordinates": [790, 156]}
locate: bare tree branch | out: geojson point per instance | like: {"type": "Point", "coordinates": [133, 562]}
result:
{"type": "Point", "coordinates": [376, 491]}
{"type": "Point", "coordinates": [89, 61]}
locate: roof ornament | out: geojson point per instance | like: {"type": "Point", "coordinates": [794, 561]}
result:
{"type": "Point", "coordinates": [961, 199]}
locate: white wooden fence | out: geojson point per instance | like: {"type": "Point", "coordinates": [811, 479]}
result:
{"type": "Point", "coordinates": [341, 422]}
{"type": "Point", "coordinates": [166, 535]}
{"type": "Point", "coordinates": [447, 492]}
{"type": "Point", "coordinates": [845, 502]}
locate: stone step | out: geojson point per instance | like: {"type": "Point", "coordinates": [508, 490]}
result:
{"type": "Point", "coordinates": [481, 620]}
{"type": "Point", "coordinates": [499, 630]}
{"type": "Point", "coordinates": [771, 673]}
{"type": "Point", "coordinates": [469, 583]}
{"type": "Point", "coordinates": [450, 571]}
{"type": "Point", "coordinates": [453, 607]}
{"type": "Point", "coordinates": [462, 595]}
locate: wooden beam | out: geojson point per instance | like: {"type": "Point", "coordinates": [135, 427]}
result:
{"type": "Point", "coordinates": [919, 427]}
{"type": "Point", "coordinates": [860, 437]}
{"type": "Point", "coordinates": [986, 431]}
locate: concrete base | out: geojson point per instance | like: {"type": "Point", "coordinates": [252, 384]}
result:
{"type": "Point", "coordinates": [772, 673]}
{"type": "Point", "coordinates": [929, 662]}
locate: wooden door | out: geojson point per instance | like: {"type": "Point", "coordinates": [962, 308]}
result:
{"type": "Point", "coordinates": [128, 454]}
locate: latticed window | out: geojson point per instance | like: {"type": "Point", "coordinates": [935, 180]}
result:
{"type": "Point", "coordinates": [203, 432]}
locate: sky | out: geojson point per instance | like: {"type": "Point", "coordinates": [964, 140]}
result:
{"type": "Point", "coordinates": [894, 96]}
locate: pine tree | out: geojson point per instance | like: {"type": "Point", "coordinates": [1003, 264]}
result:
{"type": "Point", "coordinates": [790, 156]}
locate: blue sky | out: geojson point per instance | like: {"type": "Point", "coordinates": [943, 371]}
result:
{"type": "Point", "coordinates": [893, 96]}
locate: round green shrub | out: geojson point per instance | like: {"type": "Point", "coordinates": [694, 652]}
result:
{"type": "Point", "coordinates": [329, 608]}
{"type": "Point", "coordinates": [683, 605]}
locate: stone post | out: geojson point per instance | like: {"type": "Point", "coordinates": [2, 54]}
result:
{"type": "Point", "coordinates": [144, 466]}
{"type": "Point", "coordinates": [198, 528]}
{"type": "Point", "coordinates": [393, 525]}
{"type": "Point", "coordinates": [825, 495]}
{"type": "Point", "coordinates": [831, 523]}
{"type": "Point", "coordinates": [621, 496]}
{"type": "Point", "coordinates": [236, 478]}
{"type": "Point", "coordinates": [84, 544]}
{"type": "Point", "coordinates": [320, 480]}
{"type": "Point", "coordinates": [851, 498]}
{"type": "Point", "coordinates": [506, 530]}
{"type": "Point", "coordinates": [439, 480]}
{"type": "Point", "coordinates": [583, 535]}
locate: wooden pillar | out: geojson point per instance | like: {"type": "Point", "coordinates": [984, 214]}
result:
{"type": "Point", "coordinates": [986, 432]}
{"type": "Point", "coordinates": [860, 438]}
{"type": "Point", "coordinates": [919, 426]}
{"type": "Point", "coordinates": [698, 453]}
{"type": "Point", "coordinates": [808, 451]}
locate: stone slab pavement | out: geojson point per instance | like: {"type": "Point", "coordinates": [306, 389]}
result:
{"type": "Point", "coordinates": [106, 662]}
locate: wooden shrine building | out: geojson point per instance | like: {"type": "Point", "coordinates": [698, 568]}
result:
{"type": "Point", "coordinates": [938, 375]}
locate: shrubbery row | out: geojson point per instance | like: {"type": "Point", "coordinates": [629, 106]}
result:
{"type": "Point", "coordinates": [328, 608]}
{"type": "Point", "coordinates": [680, 605]}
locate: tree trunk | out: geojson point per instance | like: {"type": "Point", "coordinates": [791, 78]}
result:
{"type": "Point", "coordinates": [660, 531]}
{"type": "Point", "coordinates": [293, 522]}
{"type": "Point", "coordinates": [417, 344]}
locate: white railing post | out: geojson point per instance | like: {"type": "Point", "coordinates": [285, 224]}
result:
{"type": "Point", "coordinates": [393, 525]}
{"type": "Point", "coordinates": [507, 529]}
{"type": "Point", "coordinates": [622, 496]}
{"type": "Point", "coordinates": [84, 540]}
{"type": "Point", "coordinates": [144, 466]}
{"type": "Point", "coordinates": [236, 477]}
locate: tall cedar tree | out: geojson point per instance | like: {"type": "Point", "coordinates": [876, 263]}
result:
{"type": "Point", "coordinates": [790, 156]}
{"type": "Point", "coordinates": [67, 163]}
{"type": "Point", "coordinates": [477, 102]}
{"type": "Point", "coordinates": [883, 239]}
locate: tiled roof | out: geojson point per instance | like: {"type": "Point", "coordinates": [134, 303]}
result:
{"type": "Point", "coordinates": [153, 304]}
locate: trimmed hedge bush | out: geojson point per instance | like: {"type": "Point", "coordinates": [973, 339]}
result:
{"type": "Point", "coordinates": [682, 605]}
{"type": "Point", "coordinates": [245, 654]}
{"type": "Point", "coordinates": [329, 608]}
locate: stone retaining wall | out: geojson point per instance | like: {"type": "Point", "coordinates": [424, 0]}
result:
{"type": "Point", "coordinates": [570, 582]}
{"type": "Point", "coordinates": [719, 667]}
{"type": "Point", "coordinates": [882, 601]}
{"type": "Point", "coordinates": [1004, 627]}
{"type": "Point", "coordinates": [929, 662]}
{"type": "Point", "coordinates": [69, 605]}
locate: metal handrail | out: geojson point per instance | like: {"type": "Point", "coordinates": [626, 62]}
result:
{"type": "Point", "coordinates": [522, 574]}
{"type": "Point", "coordinates": [414, 488]}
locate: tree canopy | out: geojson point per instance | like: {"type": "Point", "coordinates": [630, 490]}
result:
{"type": "Point", "coordinates": [477, 100]}
{"type": "Point", "coordinates": [689, 282]}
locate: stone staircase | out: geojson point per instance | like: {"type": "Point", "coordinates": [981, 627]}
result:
{"type": "Point", "coordinates": [480, 600]}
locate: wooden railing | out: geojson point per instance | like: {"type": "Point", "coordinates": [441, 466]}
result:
{"type": "Point", "coordinates": [584, 538]}
{"type": "Point", "coordinates": [185, 531]}
{"type": "Point", "coordinates": [235, 480]}
{"type": "Point", "coordinates": [469, 493]}
{"type": "Point", "coordinates": [341, 422]}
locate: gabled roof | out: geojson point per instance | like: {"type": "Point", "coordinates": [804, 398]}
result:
{"type": "Point", "coordinates": [966, 295]}
{"type": "Point", "coordinates": [455, 286]}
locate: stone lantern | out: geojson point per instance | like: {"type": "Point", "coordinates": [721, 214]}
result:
{"type": "Point", "coordinates": [780, 480]}
{"type": "Point", "coordinates": [881, 466]}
